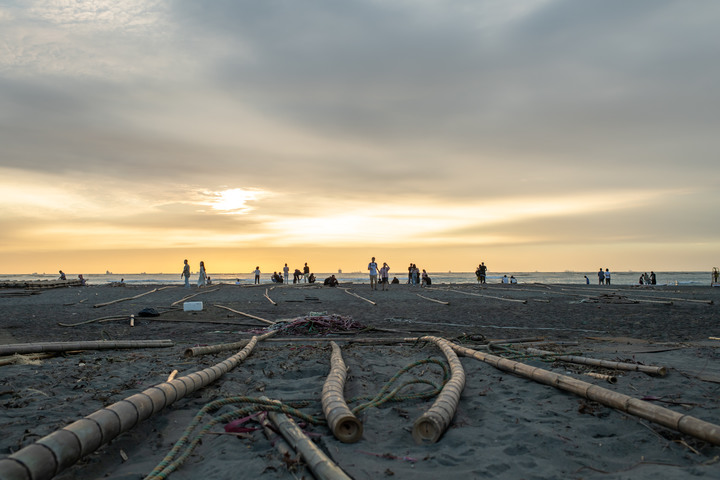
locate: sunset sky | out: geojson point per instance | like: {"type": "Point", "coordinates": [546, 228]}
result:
{"type": "Point", "coordinates": [531, 135]}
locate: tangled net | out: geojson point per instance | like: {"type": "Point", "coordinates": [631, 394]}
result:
{"type": "Point", "coordinates": [317, 324]}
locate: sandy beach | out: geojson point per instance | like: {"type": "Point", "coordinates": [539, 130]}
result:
{"type": "Point", "coordinates": [505, 426]}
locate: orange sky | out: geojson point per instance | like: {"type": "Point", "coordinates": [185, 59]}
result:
{"type": "Point", "coordinates": [457, 132]}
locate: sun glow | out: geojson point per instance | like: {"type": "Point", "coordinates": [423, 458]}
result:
{"type": "Point", "coordinates": [234, 201]}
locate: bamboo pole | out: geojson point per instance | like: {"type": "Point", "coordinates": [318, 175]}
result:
{"type": "Point", "coordinates": [609, 378]}
{"type": "Point", "coordinates": [432, 299]}
{"type": "Point", "coordinates": [488, 296]}
{"type": "Point", "coordinates": [682, 423]}
{"type": "Point", "coordinates": [188, 297]}
{"type": "Point", "coordinates": [269, 322]}
{"type": "Point", "coordinates": [649, 369]}
{"type": "Point", "coordinates": [268, 297]}
{"type": "Point", "coordinates": [124, 299]}
{"type": "Point", "coordinates": [281, 445]}
{"type": "Point", "coordinates": [320, 464]}
{"type": "Point", "coordinates": [358, 296]}
{"type": "Point", "coordinates": [197, 351]}
{"type": "Point", "coordinates": [204, 350]}
{"type": "Point", "coordinates": [433, 423]}
{"type": "Point", "coordinates": [61, 449]}
{"type": "Point", "coordinates": [91, 345]}
{"type": "Point", "coordinates": [344, 425]}
{"type": "Point", "coordinates": [509, 341]}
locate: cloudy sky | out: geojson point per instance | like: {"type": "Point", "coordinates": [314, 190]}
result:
{"type": "Point", "coordinates": [532, 135]}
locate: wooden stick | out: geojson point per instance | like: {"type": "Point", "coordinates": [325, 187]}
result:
{"type": "Point", "coordinates": [677, 421]}
{"type": "Point", "coordinates": [172, 375]}
{"type": "Point", "coordinates": [488, 296]}
{"type": "Point", "coordinates": [649, 369]}
{"type": "Point", "coordinates": [268, 297]}
{"type": "Point", "coordinates": [269, 322]}
{"type": "Point", "coordinates": [194, 295]}
{"type": "Point", "coordinates": [433, 300]}
{"type": "Point", "coordinates": [358, 296]}
{"type": "Point", "coordinates": [123, 299]}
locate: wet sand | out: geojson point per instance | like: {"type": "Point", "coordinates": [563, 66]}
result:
{"type": "Point", "coordinates": [505, 426]}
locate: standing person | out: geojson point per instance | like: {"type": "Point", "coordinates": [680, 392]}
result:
{"type": "Point", "coordinates": [186, 274]}
{"type": "Point", "coordinates": [416, 275]}
{"type": "Point", "coordinates": [257, 275]}
{"type": "Point", "coordinates": [653, 279]}
{"type": "Point", "coordinates": [483, 272]}
{"type": "Point", "coordinates": [601, 277]}
{"type": "Point", "coordinates": [202, 275]}
{"type": "Point", "coordinates": [373, 268]}
{"type": "Point", "coordinates": [607, 277]}
{"type": "Point", "coordinates": [384, 274]}
{"type": "Point", "coordinates": [286, 274]}
{"type": "Point", "coordinates": [587, 280]}
{"type": "Point", "coordinates": [410, 273]}
{"type": "Point", "coordinates": [306, 272]}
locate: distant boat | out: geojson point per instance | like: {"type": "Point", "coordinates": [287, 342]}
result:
{"type": "Point", "coordinates": [108, 272]}
{"type": "Point", "coordinates": [339, 270]}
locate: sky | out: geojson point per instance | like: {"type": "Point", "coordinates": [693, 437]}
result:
{"type": "Point", "coordinates": [533, 135]}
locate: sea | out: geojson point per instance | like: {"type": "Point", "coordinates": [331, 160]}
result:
{"type": "Point", "coordinates": [568, 277]}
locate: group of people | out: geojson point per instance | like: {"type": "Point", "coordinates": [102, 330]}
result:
{"type": "Point", "coordinates": [298, 275]}
{"type": "Point", "coordinates": [481, 272]}
{"type": "Point", "coordinates": [603, 277]}
{"type": "Point", "coordinates": [203, 278]}
{"type": "Point", "coordinates": [62, 276]}
{"type": "Point", "coordinates": [646, 279]}
{"type": "Point", "coordinates": [417, 278]}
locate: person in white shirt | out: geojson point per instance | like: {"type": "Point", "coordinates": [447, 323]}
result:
{"type": "Point", "coordinates": [373, 268]}
{"type": "Point", "coordinates": [607, 277]}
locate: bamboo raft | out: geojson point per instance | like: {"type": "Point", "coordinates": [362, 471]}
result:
{"type": "Point", "coordinates": [40, 284]}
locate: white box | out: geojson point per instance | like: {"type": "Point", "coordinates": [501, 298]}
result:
{"type": "Point", "coordinates": [192, 306]}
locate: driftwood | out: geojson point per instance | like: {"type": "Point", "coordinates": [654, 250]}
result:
{"type": "Point", "coordinates": [71, 346]}
{"type": "Point", "coordinates": [344, 425]}
{"type": "Point", "coordinates": [433, 423]}
{"type": "Point", "coordinates": [432, 299]}
{"type": "Point", "coordinates": [269, 322]}
{"type": "Point", "coordinates": [61, 449]}
{"type": "Point", "coordinates": [649, 369]}
{"type": "Point", "coordinates": [358, 296]}
{"type": "Point", "coordinates": [682, 423]}
{"type": "Point", "coordinates": [320, 464]}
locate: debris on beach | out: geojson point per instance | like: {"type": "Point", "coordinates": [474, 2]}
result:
{"type": "Point", "coordinates": [320, 323]}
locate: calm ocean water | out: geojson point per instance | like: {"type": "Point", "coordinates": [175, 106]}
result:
{"type": "Point", "coordinates": [618, 278]}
